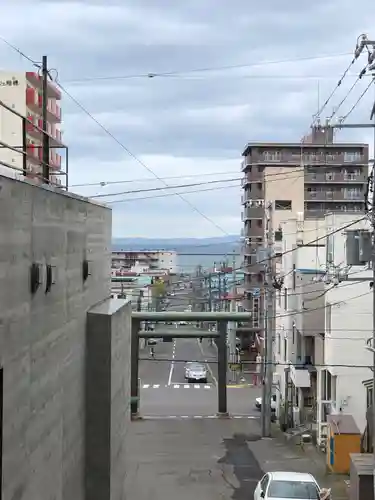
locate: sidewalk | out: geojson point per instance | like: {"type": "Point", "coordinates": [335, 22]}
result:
{"type": "Point", "coordinates": [278, 453]}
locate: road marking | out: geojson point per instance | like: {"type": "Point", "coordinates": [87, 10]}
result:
{"type": "Point", "coordinates": [196, 386]}
{"type": "Point", "coordinates": [186, 386]}
{"type": "Point", "coordinates": [145, 386]}
{"type": "Point", "coordinates": [207, 365]}
{"type": "Point", "coordinates": [172, 363]}
{"type": "Point", "coordinates": [207, 387]}
{"type": "Point", "coordinates": [156, 386]}
{"type": "Point", "coordinates": [176, 386]}
{"type": "Point", "coordinates": [198, 416]}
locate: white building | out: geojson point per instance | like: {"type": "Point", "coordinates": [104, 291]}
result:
{"type": "Point", "coordinates": [22, 92]}
{"type": "Point", "coordinates": [147, 259]}
{"type": "Point", "coordinates": [324, 317]}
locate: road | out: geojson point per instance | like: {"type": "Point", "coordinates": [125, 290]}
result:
{"type": "Point", "coordinates": [165, 392]}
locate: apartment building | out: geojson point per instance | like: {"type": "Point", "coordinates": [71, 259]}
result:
{"type": "Point", "coordinates": [23, 93]}
{"type": "Point", "coordinates": [148, 259]}
{"type": "Point", "coordinates": [313, 177]}
{"type": "Point", "coordinates": [323, 322]}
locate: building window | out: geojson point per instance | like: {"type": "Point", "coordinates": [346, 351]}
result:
{"type": "Point", "coordinates": [330, 176]}
{"type": "Point", "coordinates": [260, 278]}
{"type": "Point", "coordinates": [283, 205]}
{"type": "Point", "coordinates": [260, 168]}
{"type": "Point", "coordinates": [285, 349]}
{"type": "Point", "coordinates": [259, 186]}
{"type": "Point", "coordinates": [272, 156]}
{"type": "Point", "coordinates": [259, 223]}
{"type": "Point", "coordinates": [369, 396]}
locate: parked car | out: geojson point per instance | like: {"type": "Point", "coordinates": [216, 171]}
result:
{"type": "Point", "coordinates": [195, 372]}
{"type": "Point", "coordinates": [258, 403]}
{"type": "Point", "coordinates": [287, 485]}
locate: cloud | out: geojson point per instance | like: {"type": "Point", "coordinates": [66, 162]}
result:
{"type": "Point", "coordinates": [218, 85]}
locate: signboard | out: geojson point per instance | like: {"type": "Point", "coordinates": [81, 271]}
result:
{"type": "Point", "coordinates": [256, 292]}
{"type": "Point", "coordinates": [9, 83]}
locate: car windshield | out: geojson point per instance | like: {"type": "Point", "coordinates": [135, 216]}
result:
{"type": "Point", "coordinates": [301, 490]}
{"type": "Point", "coordinates": [195, 366]}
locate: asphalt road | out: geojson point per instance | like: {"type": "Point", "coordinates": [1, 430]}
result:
{"type": "Point", "coordinates": [165, 392]}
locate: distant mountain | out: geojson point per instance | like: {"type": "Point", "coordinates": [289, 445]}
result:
{"type": "Point", "coordinates": [229, 242]}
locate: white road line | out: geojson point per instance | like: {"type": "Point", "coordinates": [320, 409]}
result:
{"type": "Point", "coordinates": [156, 386]}
{"type": "Point", "coordinates": [198, 416]}
{"type": "Point", "coordinates": [186, 386]}
{"type": "Point", "coordinates": [208, 366]}
{"type": "Point", "coordinates": [196, 386]}
{"type": "Point", "coordinates": [172, 363]}
{"type": "Point", "coordinates": [176, 386]}
{"type": "Point", "coordinates": [207, 387]}
{"type": "Point", "coordinates": [145, 386]}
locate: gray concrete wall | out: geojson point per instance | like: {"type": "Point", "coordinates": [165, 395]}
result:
{"type": "Point", "coordinates": [43, 337]}
{"type": "Point", "coordinates": [108, 398]}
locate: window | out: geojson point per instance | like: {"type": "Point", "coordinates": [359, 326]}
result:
{"type": "Point", "coordinates": [369, 396]}
{"type": "Point", "coordinates": [283, 205]}
{"type": "Point", "coordinates": [259, 186]}
{"type": "Point", "coordinates": [260, 168]}
{"type": "Point", "coordinates": [259, 223]}
{"type": "Point", "coordinates": [285, 349]}
{"type": "Point", "coordinates": [264, 482]}
{"type": "Point", "coordinates": [293, 489]}
{"type": "Point", "coordinates": [330, 176]}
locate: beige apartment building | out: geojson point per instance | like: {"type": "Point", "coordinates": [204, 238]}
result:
{"type": "Point", "coordinates": [22, 92]}
{"type": "Point", "coordinates": [314, 177]}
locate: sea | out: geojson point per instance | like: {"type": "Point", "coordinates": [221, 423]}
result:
{"type": "Point", "coordinates": [190, 257]}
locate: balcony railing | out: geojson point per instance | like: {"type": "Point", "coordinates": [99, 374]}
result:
{"type": "Point", "coordinates": [34, 129]}
{"type": "Point", "coordinates": [36, 81]}
{"type": "Point", "coordinates": [338, 196]}
{"type": "Point", "coordinates": [34, 101]}
{"type": "Point", "coordinates": [311, 159]}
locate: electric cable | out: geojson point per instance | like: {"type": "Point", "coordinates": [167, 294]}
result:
{"type": "Point", "coordinates": [151, 75]}
{"type": "Point", "coordinates": [343, 118]}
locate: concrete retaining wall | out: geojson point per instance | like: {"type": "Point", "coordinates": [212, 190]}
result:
{"type": "Point", "coordinates": [43, 336]}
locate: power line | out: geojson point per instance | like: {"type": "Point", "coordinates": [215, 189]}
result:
{"type": "Point", "coordinates": [338, 85]}
{"type": "Point", "coordinates": [150, 179]}
{"type": "Point", "coordinates": [194, 191]}
{"type": "Point", "coordinates": [357, 101]}
{"type": "Point", "coordinates": [126, 149]}
{"type": "Point", "coordinates": [204, 69]}
{"type": "Point", "coordinates": [178, 186]}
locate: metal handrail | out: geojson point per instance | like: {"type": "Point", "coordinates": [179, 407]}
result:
{"type": "Point", "coordinates": [190, 316]}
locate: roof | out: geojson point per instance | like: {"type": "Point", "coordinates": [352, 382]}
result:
{"type": "Point", "coordinates": [292, 476]}
{"type": "Point", "coordinates": [301, 145]}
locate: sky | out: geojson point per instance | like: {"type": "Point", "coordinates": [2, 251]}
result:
{"type": "Point", "coordinates": [162, 89]}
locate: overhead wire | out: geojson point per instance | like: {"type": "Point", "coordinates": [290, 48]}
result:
{"type": "Point", "coordinates": [151, 75]}
{"type": "Point", "coordinates": [120, 143]}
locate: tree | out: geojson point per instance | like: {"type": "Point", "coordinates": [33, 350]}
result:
{"type": "Point", "coordinates": [158, 289]}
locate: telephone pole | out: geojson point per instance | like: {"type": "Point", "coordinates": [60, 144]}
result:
{"type": "Point", "coordinates": [269, 328]}
{"type": "Point", "coordinates": [231, 324]}
{"type": "Point", "coordinates": [45, 142]}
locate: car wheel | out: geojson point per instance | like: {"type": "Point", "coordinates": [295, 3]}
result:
{"type": "Point", "coordinates": [204, 381]}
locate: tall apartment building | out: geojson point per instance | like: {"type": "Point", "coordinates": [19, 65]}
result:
{"type": "Point", "coordinates": [313, 177]}
{"type": "Point", "coordinates": [152, 260]}
{"type": "Point", "coordinates": [23, 93]}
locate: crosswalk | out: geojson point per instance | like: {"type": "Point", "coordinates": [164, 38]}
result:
{"type": "Point", "coordinates": [177, 386]}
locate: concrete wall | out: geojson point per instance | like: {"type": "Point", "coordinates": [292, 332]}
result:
{"type": "Point", "coordinates": [43, 336]}
{"type": "Point", "coordinates": [107, 398]}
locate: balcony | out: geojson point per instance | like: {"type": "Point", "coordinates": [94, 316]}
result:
{"type": "Point", "coordinates": [34, 128]}
{"type": "Point", "coordinates": [297, 159]}
{"type": "Point", "coordinates": [35, 80]}
{"type": "Point", "coordinates": [342, 196]}
{"type": "Point", "coordinates": [335, 178]}
{"type": "Point", "coordinates": [34, 102]}
{"type": "Point", "coordinates": [253, 212]}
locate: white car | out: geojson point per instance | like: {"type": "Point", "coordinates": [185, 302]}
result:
{"type": "Point", "coordinates": [287, 485]}
{"type": "Point", "coordinates": [195, 372]}
{"type": "Point", "coordinates": [258, 403]}
{"type": "Point", "coordinates": [183, 323]}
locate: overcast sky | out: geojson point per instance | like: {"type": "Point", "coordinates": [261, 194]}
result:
{"type": "Point", "coordinates": [219, 87]}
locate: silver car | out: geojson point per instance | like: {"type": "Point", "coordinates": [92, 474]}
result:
{"type": "Point", "coordinates": [195, 372]}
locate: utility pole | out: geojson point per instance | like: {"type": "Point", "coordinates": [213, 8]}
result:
{"type": "Point", "coordinates": [231, 324]}
{"type": "Point", "coordinates": [45, 142]}
{"type": "Point", "coordinates": [269, 328]}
